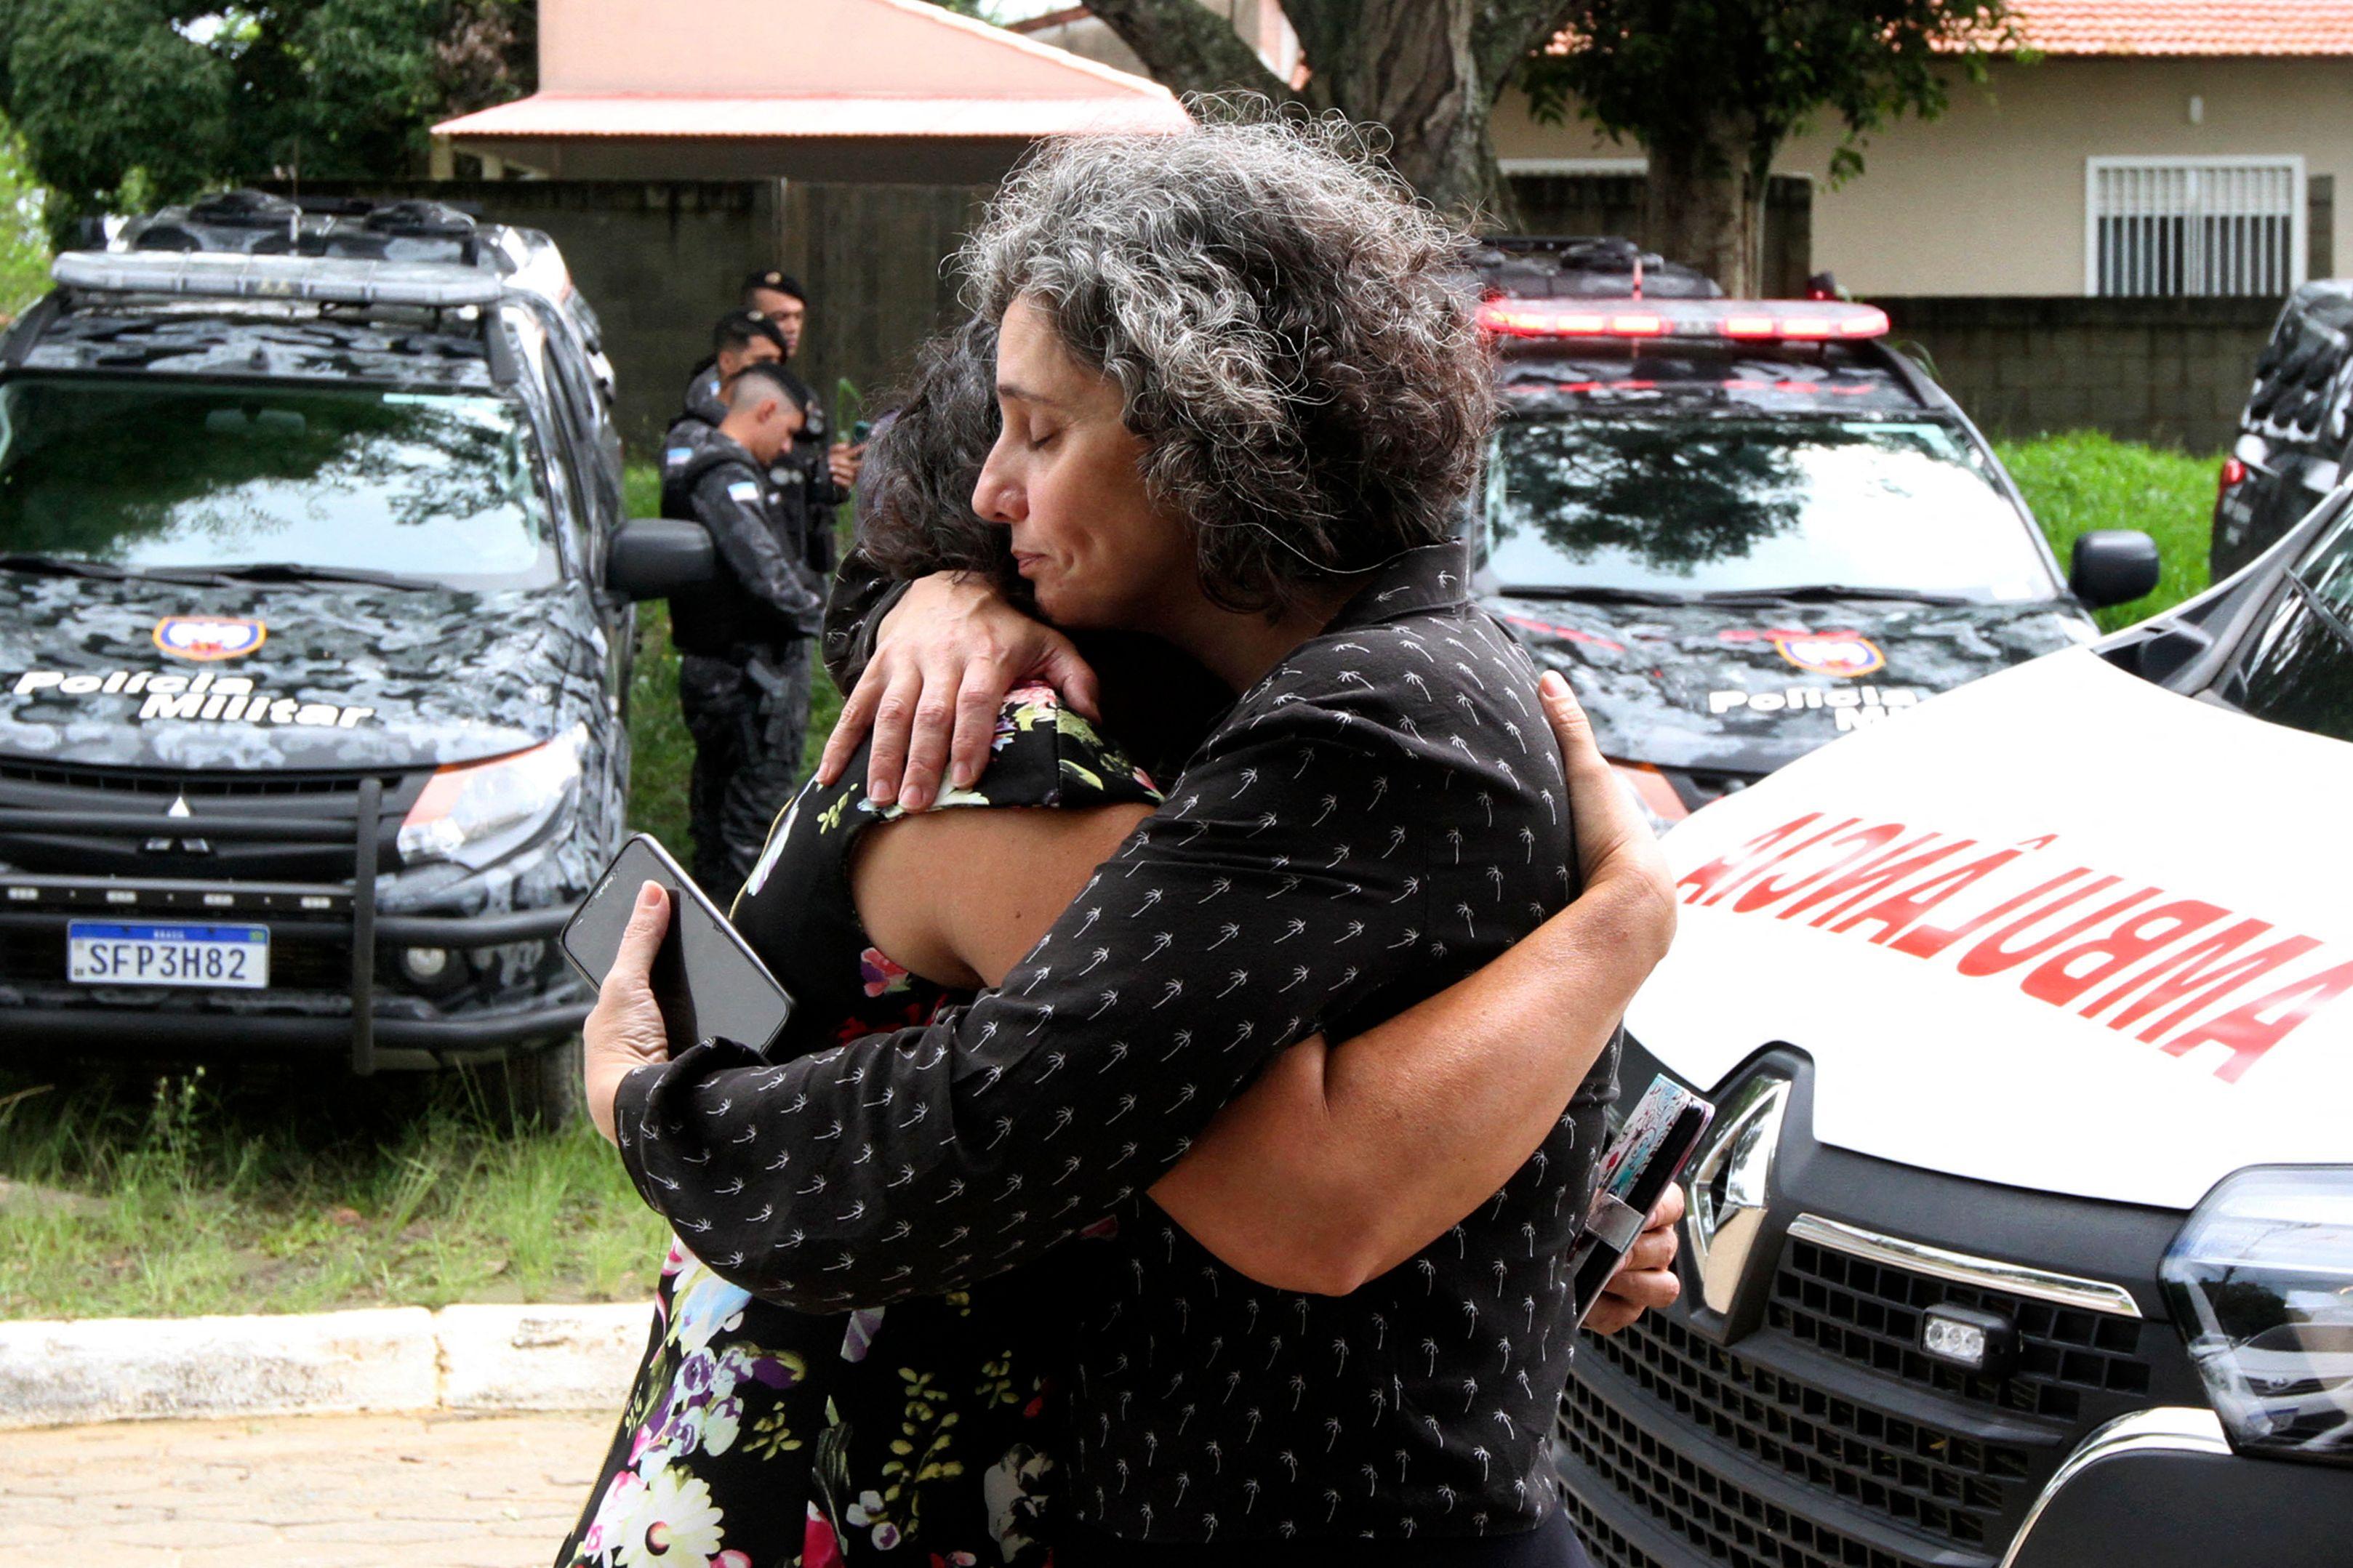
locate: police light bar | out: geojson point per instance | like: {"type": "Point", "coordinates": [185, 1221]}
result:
{"type": "Point", "coordinates": [210, 275]}
{"type": "Point", "coordinates": [1743, 320]}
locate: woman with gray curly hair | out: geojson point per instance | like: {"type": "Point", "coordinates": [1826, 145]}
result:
{"type": "Point", "coordinates": [1241, 409]}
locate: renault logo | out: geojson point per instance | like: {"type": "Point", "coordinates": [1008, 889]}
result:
{"type": "Point", "coordinates": [1730, 1187]}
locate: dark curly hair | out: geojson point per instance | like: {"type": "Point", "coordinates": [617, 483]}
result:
{"type": "Point", "coordinates": [914, 492]}
{"type": "Point", "coordinates": [1291, 331]}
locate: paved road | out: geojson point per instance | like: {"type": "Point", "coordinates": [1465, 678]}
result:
{"type": "Point", "coordinates": [316, 1491]}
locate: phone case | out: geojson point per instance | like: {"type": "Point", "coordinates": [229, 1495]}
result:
{"type": "Point", "coordinates": [1657, 1141]}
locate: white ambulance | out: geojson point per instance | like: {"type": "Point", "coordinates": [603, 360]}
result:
{"type": "Point", "coordinates": [2023, 1235]}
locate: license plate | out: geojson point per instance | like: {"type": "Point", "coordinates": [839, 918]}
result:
{"type": "Point", "coordinates": [100, 952]}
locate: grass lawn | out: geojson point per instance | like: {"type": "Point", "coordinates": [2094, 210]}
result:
{"type": "Point", "coordinates": [2082, 481]}
{"type": "Point", "coordinates": [134, 1195]}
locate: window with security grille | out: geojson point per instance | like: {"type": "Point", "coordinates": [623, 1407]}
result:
{"type": "Point", "coordinates": [2194, 226]}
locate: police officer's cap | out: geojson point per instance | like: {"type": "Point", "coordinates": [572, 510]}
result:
{"type": "Point", "coordinates": [738, 327]}
{"type": "Point", "coordinates": [774, 282]}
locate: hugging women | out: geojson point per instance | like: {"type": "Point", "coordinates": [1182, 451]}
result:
{"type": "Point", "coordinates": [1182, 1168]}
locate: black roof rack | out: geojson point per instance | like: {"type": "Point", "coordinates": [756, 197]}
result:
{"type": "Point", "coordinates": [244, 209]}
{"type": "Point", "coordinates": [1545, 267]}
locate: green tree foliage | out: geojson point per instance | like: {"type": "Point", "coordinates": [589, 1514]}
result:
{"type": "Point", "coordinates": [1712, 89]}
{"type": "Point", "coordinates": [120, 103]}
{"type": "Point", "coordinates": [24, 230]}
{"type": "Point", "coordinates": [99, 89]}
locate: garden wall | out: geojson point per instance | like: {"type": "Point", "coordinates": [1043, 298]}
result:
{"type": "Point", "coordinates": [2168, 372]}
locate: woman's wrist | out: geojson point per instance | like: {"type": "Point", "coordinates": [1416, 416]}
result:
{"type": "Point", "coordinates": [601, 1088]}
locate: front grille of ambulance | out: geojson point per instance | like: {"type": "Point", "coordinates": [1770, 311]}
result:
{"type": "Point", "coordinates": [1826, 1439]}
{"type": "Point", "coordinates": [1869, 1313]}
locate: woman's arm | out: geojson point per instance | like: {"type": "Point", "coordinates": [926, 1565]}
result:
{"type": "Point", "coordinates": [1339, 1163]}
{"type": "Point", "coordinates": [913, 1161]}
{"type": "Point", "coordinates": [1344, 1162]}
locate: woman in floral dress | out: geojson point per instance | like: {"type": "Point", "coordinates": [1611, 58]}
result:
{"type": "Point", "coordinates": [757, 1436]}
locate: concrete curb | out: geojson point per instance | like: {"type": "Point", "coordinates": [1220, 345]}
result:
{"type": "Point", "coordinates": [545, 1358]}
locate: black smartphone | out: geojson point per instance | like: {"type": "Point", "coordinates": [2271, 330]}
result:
{"type": "Point", "coordinates": [709, 982]}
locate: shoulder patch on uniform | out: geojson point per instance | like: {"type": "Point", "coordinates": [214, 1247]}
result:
{"type": "Point", "coordinates": [744, 491]}
{"type": "Point", "coordinates": [677, 455]}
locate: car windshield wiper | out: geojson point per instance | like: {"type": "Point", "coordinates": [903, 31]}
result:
{"type": "Point", "coordinates": [1594, 594]}
{"type": "Point", "coordinates": [62, 566]}
{"type": "Point", "coordinates": [103, 571]}
{"type": "Point", "coordinates": [296, 572]}
{"type": "Point", "coordinates": [1812, 592]}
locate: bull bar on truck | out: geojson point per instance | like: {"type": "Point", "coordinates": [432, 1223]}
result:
{"type": "Point", "coordinates": [317, 910]}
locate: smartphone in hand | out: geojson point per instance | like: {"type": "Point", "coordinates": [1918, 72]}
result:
{"type": "Point", "coordinates": [709, 983]}
{"type": "Point", "coordinates": [1651, 1149]}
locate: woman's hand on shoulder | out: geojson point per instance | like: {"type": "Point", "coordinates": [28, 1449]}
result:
{"type": "Point", "coordinates": [943, 660]}
{"type": "Point", "coordinates": [1617, 856]}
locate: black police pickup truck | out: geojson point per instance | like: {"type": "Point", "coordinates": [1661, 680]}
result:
{"type": "Point", "coordinates": [315, 627]}
{"type": "Point", "coordinates": [2293, 433]}
{"type": "Point", "coordinates": [1745, 527]}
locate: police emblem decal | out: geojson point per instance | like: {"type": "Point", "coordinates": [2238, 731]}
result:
{"type": "Point", "coordinates": [204, 638]}
{"type": "Point", "coordinates": [1830, 653]}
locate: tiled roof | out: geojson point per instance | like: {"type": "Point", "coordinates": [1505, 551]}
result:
{"type": "Point", "coordinates": [2170, 27]}
{"type": "Point", "coordinates": [887, 68]}
{"type": "Point", "coordinates": [2187, 26]}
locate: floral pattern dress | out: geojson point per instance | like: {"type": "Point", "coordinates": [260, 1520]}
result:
{"type": "Point", "coordinates": [757, 1436]}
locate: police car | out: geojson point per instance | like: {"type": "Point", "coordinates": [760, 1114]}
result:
{"type": "Point", "coordinates": [1744, 527]}
{"type": "Point", "coordinates": [315, 626]}
{"type": "Point", "coordinates": [2024, 1232]}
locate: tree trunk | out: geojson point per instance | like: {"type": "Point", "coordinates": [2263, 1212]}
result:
{"type": "Point", "coordinates": [1428, 71]}
{"type": "Point", "coordinates": [1703, 205]}
{"type": "Point", "coordinates": [1411, 66]}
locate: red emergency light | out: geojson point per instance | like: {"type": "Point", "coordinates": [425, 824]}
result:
{"type": "Point", "coordinates": [1741, 320]}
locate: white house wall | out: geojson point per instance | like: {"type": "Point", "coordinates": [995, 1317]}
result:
{"type": "Point", "coordinates": [1990, 199]}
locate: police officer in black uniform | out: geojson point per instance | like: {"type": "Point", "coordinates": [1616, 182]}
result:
{"type": "Point", "coordinates": [742, 337]}
{"type": "Point", "coordinates": [743, 640]}
{"type": "Point", "coordinates": [828, 467]}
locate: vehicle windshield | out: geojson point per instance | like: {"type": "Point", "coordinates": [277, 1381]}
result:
{"type": "Point", "coordinates": [151, 474]}
{"type": "Point", "coordinates": [2298, 668]}
{"type": "Point", "coordinates": [1707, 506]}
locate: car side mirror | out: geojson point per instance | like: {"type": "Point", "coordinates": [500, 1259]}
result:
{"type": "Point", "coordinates": [2113, 566]}
{"type": "Point", "coordinates": [654, 557]}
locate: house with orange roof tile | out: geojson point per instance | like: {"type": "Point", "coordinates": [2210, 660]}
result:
{"type": "Point", "coordinates": [2152, 148]}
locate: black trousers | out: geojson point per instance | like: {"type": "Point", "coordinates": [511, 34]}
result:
{"type": "Point", "coordinates": [748, 714]}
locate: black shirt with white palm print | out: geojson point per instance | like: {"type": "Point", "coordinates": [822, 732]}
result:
{"type": "Point", "coordinates": [1379, 816]}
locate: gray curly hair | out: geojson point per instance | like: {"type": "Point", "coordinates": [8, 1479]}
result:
{"type": "Point", "coordinates": [1291, 332]}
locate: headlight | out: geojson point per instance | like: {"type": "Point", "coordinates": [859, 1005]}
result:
{"type": "Point", "coordinates": [474, 814]}
{"type": "Point", "coordinates": [2261, 1280]}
